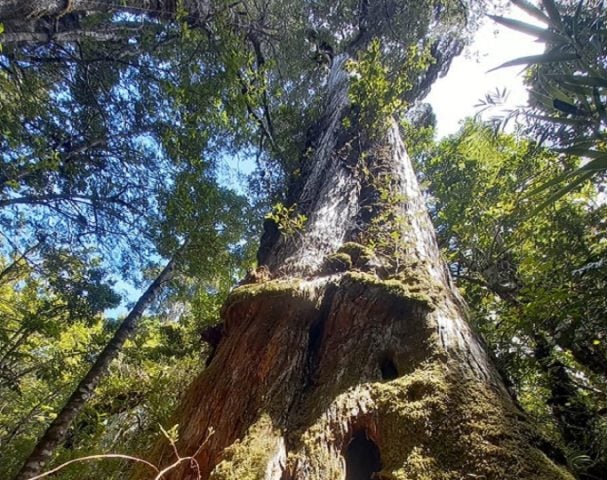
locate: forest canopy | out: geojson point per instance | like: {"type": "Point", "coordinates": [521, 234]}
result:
{"type": "Point", "coordinates": [121, 128]}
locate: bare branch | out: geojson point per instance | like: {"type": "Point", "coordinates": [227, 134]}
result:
{"type": "Point", "coordinates": [95, 457]}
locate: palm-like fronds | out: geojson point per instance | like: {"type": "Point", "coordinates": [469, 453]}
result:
{"type": "Point", "coordinates": [567, 83]}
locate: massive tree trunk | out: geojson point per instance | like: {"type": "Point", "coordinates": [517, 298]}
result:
{"type": "Point", "coordinates": [353, 357]}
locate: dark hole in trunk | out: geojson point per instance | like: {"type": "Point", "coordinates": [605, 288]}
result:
{"type": "Point", "coordinates": [362, 458]}
{"type": "Point", "coordinates": [388, 369]}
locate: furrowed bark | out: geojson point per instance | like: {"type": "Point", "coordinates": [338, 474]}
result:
{"type": "Point", "coordinates": [57, 430]}
{"type": "Point", "coordinates": [351, 362]}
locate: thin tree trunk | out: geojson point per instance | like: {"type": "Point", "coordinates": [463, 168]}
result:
{"type": "Point", "coordinates": [355, 360]}
{"type": "Point", "coordinates": [56, 432]}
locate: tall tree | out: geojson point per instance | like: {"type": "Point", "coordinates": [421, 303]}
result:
{"type": "Point", "coordinates": [105, 152]}
{"type": "Point", "coordinates": [349, 356]}
{"type": "Point", "coordinates": [57, 430]}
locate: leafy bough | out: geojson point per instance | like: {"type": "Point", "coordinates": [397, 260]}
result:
{"type": "Point", "coordinates": [567, 86]}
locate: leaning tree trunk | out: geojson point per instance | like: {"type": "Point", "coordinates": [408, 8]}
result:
{"type": "Point", "coordinates": [56, 432]}
{"type": "Point", "coordinates": [344, 363]}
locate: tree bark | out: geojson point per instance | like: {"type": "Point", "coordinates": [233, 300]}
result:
{"type": "Point", "coordinates": [353, 363]}
{"type": "Point", "coordinates": [56, 432]}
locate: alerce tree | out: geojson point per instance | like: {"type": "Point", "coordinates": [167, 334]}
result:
{"type": "Point", "coordinates": [347, 354]}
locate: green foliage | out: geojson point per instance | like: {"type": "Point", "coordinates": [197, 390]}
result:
{"type": "Point", "coordinates": [47, 338]}
{"type": "Point", "coordinates": [288, 221]}
{"type": "Point", "coordinates": [46, 346]}
{"type": "Point", "coordinates": [534, 283]}
{"type": "Point", "coordinates": [376, 93]}
{"type": "Point", "coordinates": [385, 230]}
{"type": "Point", "coordinates": [111, 150]}
{"type": "Point", "coordinates": [108, 162]}
{"type": "Point", "coordinates": [91, 147]}
{"type": "Point", "coordinates": [294, 36]}
{"type": "Point", "coordinates": [568, 84]}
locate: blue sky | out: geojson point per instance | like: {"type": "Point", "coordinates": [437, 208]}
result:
{"type": "Point", "coordinates": [452, 97]}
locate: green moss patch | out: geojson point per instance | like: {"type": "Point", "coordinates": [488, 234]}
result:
{"type": "Point", "coordinates": [394, 287]}
{"type": "Point", "coordinates": [248, 459]}
{"type": "Point", "coordinates": [440, 425]}
{"type": "Point", "coordinates": [338, 262]}
{"type": "Point", "coordinates": [274, 288]}
{"type": "Point", "coordinates": [359, 254]}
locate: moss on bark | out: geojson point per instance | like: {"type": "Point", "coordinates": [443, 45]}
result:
{"type": "Point", "coordinates": [337, 262]}
{"type": "Point", "coordinates": [435, 421]}
{"type": "Point", "coordinates": [359, 254]}
{"type": "Point", "coordinates": [395, 287]}
{"type": "Point", "coordinates": [439, 424]}
{"type": "Point", "coordinates": [272, 288]}
{"type": "Point", "coordinates": [251, 457]}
